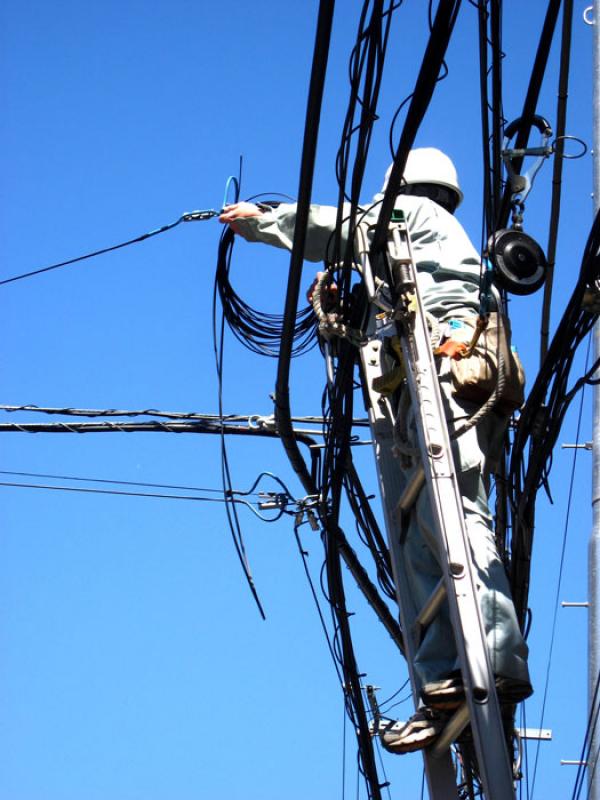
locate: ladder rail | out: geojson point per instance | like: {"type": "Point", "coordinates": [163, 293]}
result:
{"type": "Point", "coordinates": [439, 770]}
{"type": "Point", "coordinates": [482, 709]}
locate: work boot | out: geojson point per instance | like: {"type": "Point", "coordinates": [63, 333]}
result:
{"type": "Point", "coordinates": [448, 694]}
{"type": "Point", "coordinates": [444, 695]}
{"type": "Point", "coordinates": [421, 730]}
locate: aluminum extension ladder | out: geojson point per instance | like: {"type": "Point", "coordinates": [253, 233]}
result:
{"type": "Point", "coordinates": [481, 710]}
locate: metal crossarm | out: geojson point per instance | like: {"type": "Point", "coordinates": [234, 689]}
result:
{"type": "Point", "coordinates": [399, 494]}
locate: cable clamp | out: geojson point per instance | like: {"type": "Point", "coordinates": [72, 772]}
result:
{"type": "Point", "coordinates": [521, 184]}
{"type": "Point", "coordinates": [273, 500]}
{"type": "Point", "coordinates": [193, 216]}
{"type": "Point", "coordinates": [258, 422]}
{"type": "Point", "coordinates": [305, 506]}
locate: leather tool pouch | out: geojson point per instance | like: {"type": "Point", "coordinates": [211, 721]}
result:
{"type": "Point", "coordinates": [475, 378]}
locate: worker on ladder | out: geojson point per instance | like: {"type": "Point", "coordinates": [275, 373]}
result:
{"type": "Point", "coordinates": [449, 278]}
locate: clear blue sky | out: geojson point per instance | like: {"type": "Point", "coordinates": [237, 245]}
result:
{"type": "Point", "coordinates": [133, 661]}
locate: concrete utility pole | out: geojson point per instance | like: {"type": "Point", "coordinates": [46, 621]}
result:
{"type": "Point", "coordinates": [594, 550]}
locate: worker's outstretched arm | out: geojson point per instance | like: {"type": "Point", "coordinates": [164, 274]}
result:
{"type": "Point", "coordinates": [276, 226]}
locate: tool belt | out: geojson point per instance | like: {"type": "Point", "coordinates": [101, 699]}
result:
{"type": "Point", "coordinates": [475, 361]}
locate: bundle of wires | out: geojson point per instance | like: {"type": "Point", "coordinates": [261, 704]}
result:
{"type": "Point", "coordinates": [492, 118]}
{"type": "Point", "coordinates": [259, 331]}
{"type": "Point", "coordinates": [338, 474]}
{"type": "Point", "coordinates": [542, 417]}
{"type": "Point", "coordinates": [366, 65]}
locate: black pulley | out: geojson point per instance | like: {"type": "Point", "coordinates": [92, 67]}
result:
{"type": "Point", "coordinates": [519, 262]}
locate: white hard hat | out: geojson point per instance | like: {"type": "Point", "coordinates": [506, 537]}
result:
{"type": "Point", "coordinates": [430, 166]}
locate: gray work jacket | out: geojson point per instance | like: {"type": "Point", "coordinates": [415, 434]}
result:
{"type": "Point", "coordinates": [448, 265]}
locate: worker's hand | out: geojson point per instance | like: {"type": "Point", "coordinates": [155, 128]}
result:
{"type": "Point", "coordinates": [329, 295]}
{"type": "Point", "coordinates": [235, 211]}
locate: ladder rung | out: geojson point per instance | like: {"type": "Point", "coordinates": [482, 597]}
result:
{"type": "Point", "coordinates": [430, 609]}
{"type": "Point", "coordinates": [456, 725]}
{"type": "Point", "coordinates": [409, 496]}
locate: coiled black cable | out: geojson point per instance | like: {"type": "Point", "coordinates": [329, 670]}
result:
{"type": "Point", "coordinates": [258, 331]}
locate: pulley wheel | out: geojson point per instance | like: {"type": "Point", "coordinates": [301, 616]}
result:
{"type": "Point", "coordinates": [519, 262]}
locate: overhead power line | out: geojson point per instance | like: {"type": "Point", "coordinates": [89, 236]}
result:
{"type": "Point", "coordinates": [82, 479]}
{"type": "Point", "coordinates": [254, 420]}
{"type": "Point", "coordinates": [278, 502]}
{"type": "Point", "coordinates": [188, 216]}
{"type": "Point", "coordinates": [85, 490]}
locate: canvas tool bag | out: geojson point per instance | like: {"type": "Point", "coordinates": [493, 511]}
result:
{"type": "Point", "coordinates": [475, 376]}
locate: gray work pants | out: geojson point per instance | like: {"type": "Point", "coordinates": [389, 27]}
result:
{"type": "Point", "coordinates": [436, 657]}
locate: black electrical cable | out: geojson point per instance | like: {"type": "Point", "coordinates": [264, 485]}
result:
{"type": "Point", "coordinates": [587, 740]}
{"type": "Point", "coordinates": [560, 575]}
{"type": "Point", "coordinates": [498, 120]}
{"type": "Point", "coordinates": [313, 115]}
{"type": "Point", "coordinates": [397, 703]}
{"type": "Point", "coordinates": [334, 541]}
{"type": "Point", "coordinates": [84, 490]}
{"type": "Point", "coordinates": [386, 784]}
{"type": "Point", "coordinates": [371, 534]}
{"type": "Point", "coordinates": [442, 76]}
{"type": "Point", "coordinates": [561, 121]}
{"type": "Point", "coordinates": [395, 694]}
{"type": "Point", "coordinates": [112, 482]}
{"type": "Point", "coordinates": [488, 199]}
{"type": "Point", "coordinates": [531, 99]}
{"type": "Point", "coordinates": [345, 717]}
{"type": "Point", "coordinates": [433, 58]}
{"type": "Point", "coordinates": [258, 331]}
{"type": "Point", "coordinates": [313, 591]}
{"type": "Point", "coordinates": [336, 460]}
{"type": "Point", "coordinates": [367, 763]}
{"type": "Point", "coordinates": [366, 70]}
{"type": "Point", "coordinates": [365, 74]}
{"type": "Point", "coordinates": [492, 118]}
{"type": "Point", "coordinates": [170, 226]}
{"type": "Point", "coordinates": [257, 419]}
{"type": "Point", "coordinates": [542, 416]}
{"type": "Point", "coordinates": [198, 426]}
{"type": "Point", "coordinates": [218, 330]}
